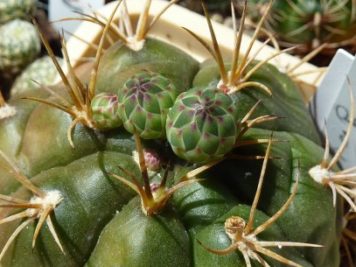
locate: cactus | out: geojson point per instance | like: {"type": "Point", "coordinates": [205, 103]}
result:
{"type": "Point", "coordinates": [16, 9]}
{"type": "Point", "coordinates": [39, 73]}
{"type": "Point", "coordinates": [19, 45]}
{"type": "Point", "coordinates": [73, 193]}
{"type": "Point", "coordinates": [202, 125]}
{"type": "Point", "coordinates": [144, 102]}
{"type": "Point", "coordinates": [309, 23]}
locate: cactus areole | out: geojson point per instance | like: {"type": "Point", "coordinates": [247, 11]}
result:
{"type": "Point", "coordinates": [148, 158]}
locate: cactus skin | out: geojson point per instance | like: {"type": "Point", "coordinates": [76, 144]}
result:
{"type": "Point", "coordinates": [130, 230]}
{"type": "Point", "coordinates": [16, 9]}
{"type": "Point", "coordinates": [201, 126]}
{"type": "Point", "coordinates": [19, 45]}
{"type": "Point", "coordinates": [42, 71]}
{"type": "Point", "coordinates": [105, 111]}
{"type": "Point", "coordinates": [144, 102]}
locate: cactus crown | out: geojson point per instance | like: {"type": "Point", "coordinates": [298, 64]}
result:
{"type": "Point", "coordinates": [342, 182]}
{"type": "Point", "coordinates": [39, 207]}
{"type": "Point", "coordinates": [243, 236]}
{"type": "Point", "coordinates": [81, 96]}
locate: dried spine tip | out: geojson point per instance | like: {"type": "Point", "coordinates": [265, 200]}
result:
{"type": "Point", "coordinates": [244, 237]}
{"type": "Point", "coordinates": [340, 182]}
{"type": "Point", "coordinates": [39, 207]}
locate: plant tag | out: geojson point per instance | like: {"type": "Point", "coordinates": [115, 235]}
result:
{"type": "Point", "coordinates": [331, 105]}
{"type": "Point", "coordinates": [59, 9]}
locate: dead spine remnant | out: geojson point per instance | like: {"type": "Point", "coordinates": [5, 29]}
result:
{"type": "Point", "coordinates": [340, 182]}
{"type": "Point", "coordinates": [39, 207]}
{"type": "Point", "coordinates": [243, 235]}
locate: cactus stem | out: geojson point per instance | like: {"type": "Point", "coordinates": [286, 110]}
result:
{"type": "Point", "coordinates": [342, 182]}
{"type": "Point", "coordinates": [244, 237]}
{"type": "Point", "coordinates": [40, 207]}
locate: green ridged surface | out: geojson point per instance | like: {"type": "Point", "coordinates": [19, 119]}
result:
{"type": "Point", "coordinates": [202, 126]}
{"type": "Point", "coordinates": [144, 102]}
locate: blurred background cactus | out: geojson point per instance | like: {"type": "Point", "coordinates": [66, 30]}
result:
{"type": "Point", "coordinates": [17, 9]}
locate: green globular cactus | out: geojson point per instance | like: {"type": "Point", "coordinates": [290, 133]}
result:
{"type": "Point", "coordinates": [16, 9]}
{"type": "Point", "coordinates": [309, 23]}
{"type": "Point", "coordinates": [105, 111]}
{"type": "Point", "coordinates": [19, 45]}
{"type": "Point", "coordinates": [41, 72]}
{"type": "Point", "coordinates": [202, 125]}
{"type": "Point", "coordinates": [144, 102]}
{"type": "Point", "coordinates": [113, 199]}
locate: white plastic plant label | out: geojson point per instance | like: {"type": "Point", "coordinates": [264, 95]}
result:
{"type": "Point", "coordinates": [59, 9]}
{"type": "Point", "coordinates": [331, 105]}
